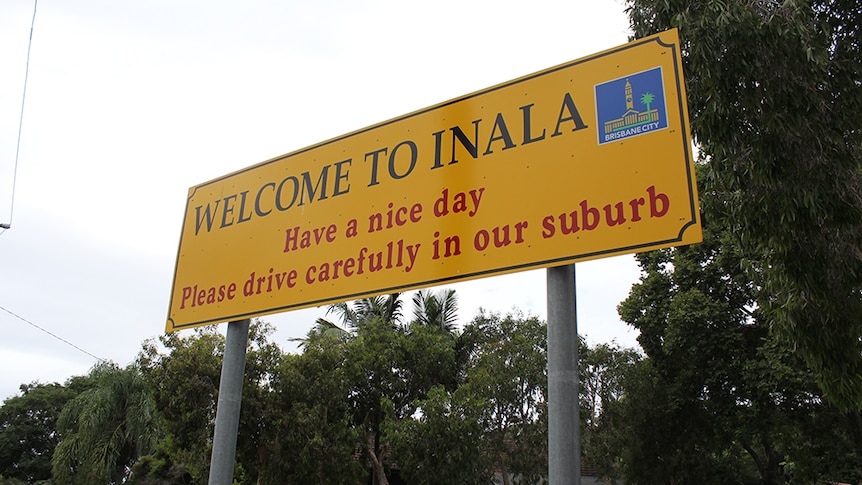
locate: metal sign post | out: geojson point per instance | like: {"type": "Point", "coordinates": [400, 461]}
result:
{"type": "Point", "coordinates": [229, 399]}
{"type": "Point", "coordinates": [564, 437]}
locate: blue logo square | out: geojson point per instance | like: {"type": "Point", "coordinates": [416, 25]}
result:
{"type": "Point", "coordinates": [631, 106]}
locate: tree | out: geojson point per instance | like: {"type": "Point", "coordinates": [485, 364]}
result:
{"type": "Point", "coordinates": [386, 308]}
{"type": "Point", "coordinates": [391, 364]}
{"type": "Point", "coordinates": [508, 370]}
{"type": "Point", "coordinates": [185, 386]}
{"type": "Point", "coordinates": [159, 468]}
{"type": "Point", "coordinates": [184, 380]}
{"type": "Point", "coordinates": [719, 399]}
{"type": "Point", "coordinates": [774, 98]}
{"type": "Point", "coordinates": [438, 310]}
{"type": "Point", "coordinates": [257, 413]}
{"type": "Point", "coordinates": [28, 428]}
{"type": "Point", "coordinates": [444, 443]}
{"type": "Point", "coordinates": [106, 428]}
{"type": "Point", "coordinates": [375, 366]}
{"type": "Point", "coordinates": [603, 371]}
{"type": "Point", "coordinates": [312, 439]}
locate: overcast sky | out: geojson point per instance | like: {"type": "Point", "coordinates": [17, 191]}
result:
{"type": "Point", "coordinates": [130, 103]}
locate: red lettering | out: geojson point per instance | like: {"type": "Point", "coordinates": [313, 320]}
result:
{"type": "Point", "coordinates": [187, 293]}
{"type": "Point", "coordinates": [548, 228]}
{"type": "Point", "coordinates": [590, 218]}
{"type": "Point", "coordinates": [654, 199]}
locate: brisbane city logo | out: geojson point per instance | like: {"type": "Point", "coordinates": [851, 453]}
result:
{"type": "Point", "coordinates": [631, 106]}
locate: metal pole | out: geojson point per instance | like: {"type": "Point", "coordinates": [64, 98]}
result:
{"type": "Point", "coordinates": [564, 437]}
{"type": "Point", "coordinates": [229, 399]}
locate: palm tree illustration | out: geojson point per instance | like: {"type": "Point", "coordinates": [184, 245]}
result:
{"type": "Point", "coordinates": [647, 99]}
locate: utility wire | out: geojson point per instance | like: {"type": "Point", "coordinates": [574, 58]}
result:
{"type": "Point", "coordinates": [61, 339]}
{"type": "Point", "coordinates": [4, 227]}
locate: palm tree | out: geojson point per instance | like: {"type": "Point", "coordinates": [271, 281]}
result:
{"type": "Point", "coordinates": [105, 429]}
{"type": "Point", "coordinates": [647, 99]}
{"type": "Point", "coordinates": [384, 307]}
{"type": "Point", "coordinates": [438, 310]}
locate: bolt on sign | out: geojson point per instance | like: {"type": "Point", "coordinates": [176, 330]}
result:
{"type": "Point", "coordinates": [584, 160]}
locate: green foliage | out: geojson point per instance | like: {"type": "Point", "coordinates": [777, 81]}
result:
{"type": "Point", "coordinates": [446, 407]}
{"type": "Point", "coordinates": [390, 364]}
{"type": "Point", "coordinates": [384, 384]}
{"type": "Point", "coordinates": [184, 380]}
{"type": "Point", "coordinates": [378, 399]}
{"type": "Point", "coordinates": [312, 436]}
{"type": "Point", "coordinates": [444, 443]}
{"type": "Point", "coordinates": [439, 310]}
{"type": "Point", "coordinates": [28, 425]}
{"type": "Point", "coordinates": [603, 371]}
{"type": "Point", "coordinates": [256, 413]}
{"type": "Point", "coordinates": [185, 383]}
{"type": "Point", "coordinates": [719, 399]}
{"type": "Point", "coordinates": [774, 97]}
{"type": "Point", "coordinates": [11, 481]}
{"type": "Point", "coordinates": [507, 369]}
{"type": "Point", "coordinates": [106, 428]}
{"type": "Point", "coordinates": [159, 469]}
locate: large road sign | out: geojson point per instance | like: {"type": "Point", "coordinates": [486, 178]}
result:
{"type": "Point", "coordinates": [587, 159]}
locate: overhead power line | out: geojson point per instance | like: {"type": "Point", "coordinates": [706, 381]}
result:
{"type": "Point", "coordinates": [61, 339]}
{"type": "Point", "coordinates": [8, 225]}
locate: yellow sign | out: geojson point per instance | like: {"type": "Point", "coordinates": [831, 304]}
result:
{"type": "Point", "coordinates": [584, 160]}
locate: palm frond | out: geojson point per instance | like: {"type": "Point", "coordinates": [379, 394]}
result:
{"type": "Point", "coordinates": [438, 310]}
